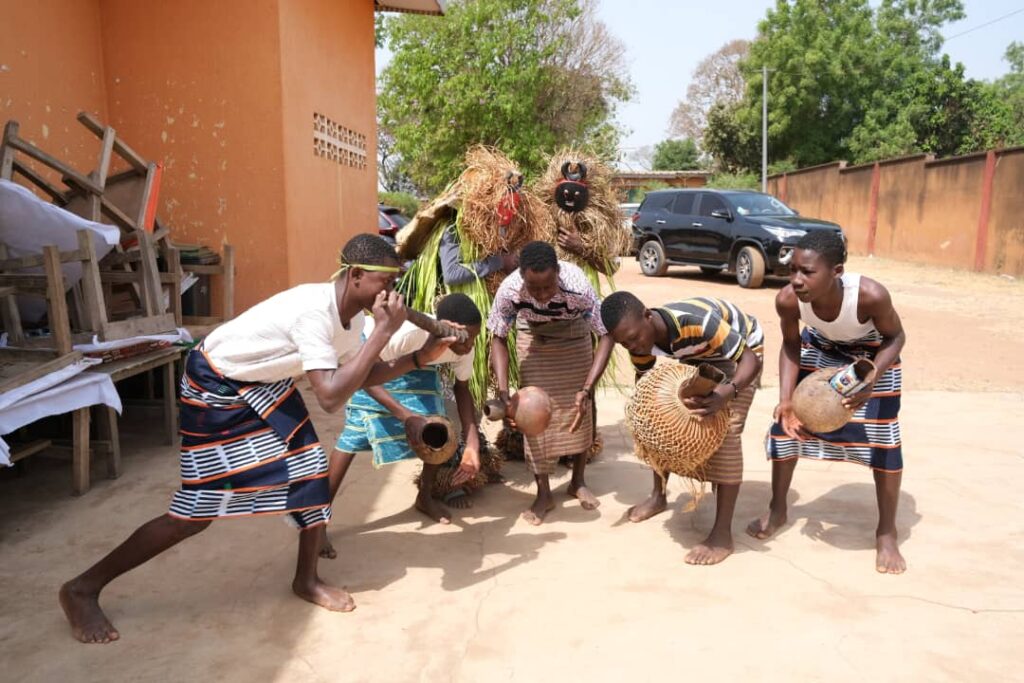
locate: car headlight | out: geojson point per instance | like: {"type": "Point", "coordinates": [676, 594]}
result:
{"type": "Point", "coordinates": [784, 233]}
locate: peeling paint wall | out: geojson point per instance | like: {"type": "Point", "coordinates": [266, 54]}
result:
{"type": "Point", "coordinates": [223, 94]}
{"type": "Point", "coordinates": [1005, 252]}
{"type": "Point", "coordinates": [51, 67]}
{"type": "Point", "coordinates": [326, 68]}
{"type": "Point", "coordinates": [197, 85]}
{"type": "Point", "coordinates": [928, 210]}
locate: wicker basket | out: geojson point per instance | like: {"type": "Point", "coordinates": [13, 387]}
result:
{"type": "Point", "coordinates": [666, 435]}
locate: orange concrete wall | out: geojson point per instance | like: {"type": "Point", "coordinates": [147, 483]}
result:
{"type": "Point", "coordinates": [51, 67]}
{"type": "Point", "coordinates": [853, 197]}
{"type": "Point", "coordinates": [928, 210]}
{"type": "Point", "coordinates": [326, 67]}
{"type": "Point", "coordinates": [196, 85]}
{"type": "Point", "coordinates": [1005, 252]}
{"type": "Point", "coordinates": [942, 225]}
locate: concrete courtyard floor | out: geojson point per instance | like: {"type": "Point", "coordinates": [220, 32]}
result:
{"type": "Point", "coordinates": [588, 595]}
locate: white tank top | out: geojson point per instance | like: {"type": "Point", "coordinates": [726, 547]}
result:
{"type": "Point", "coordinates": [846, 327]}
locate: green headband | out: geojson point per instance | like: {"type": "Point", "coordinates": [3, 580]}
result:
{"type": "Point", "coordinates": [343, 266]}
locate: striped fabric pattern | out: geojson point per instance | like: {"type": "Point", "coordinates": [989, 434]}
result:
{"type": "Point", "coordinates": [247, 449]}
{"type": "Point", "coordinates": [556, 357]}
{"type": "Point", "coordinates": [872, 437]}
{"type": "Point", "coordinates": [705, 329]}
{"type": "Point", "coordinates": [369, 426]}
{"type": "Point", "coordinates": [575, 299]}
{"type": "Point", "coordinates": [726, 464]}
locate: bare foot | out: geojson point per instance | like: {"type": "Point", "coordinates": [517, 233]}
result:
{"type": "Point", "coordinates": [433, 509]}
{"type": "Point", "coordinates": [713, 550]}
{"type": "Point", "coordinates": [460, 500]}
{"type": "Point", "coordinates": [329, 597]}
{"type": "Point", "coordinates": [540, 508]}
{"type": "Point", "coordinates": [327, 550]}
{"type": "Point", "coordinates": [647, 509]}
{"type": "Point", "coordinates": [889, 560]}
{"type": "Point", "coordinates": [88, 622]}
{"type": "Point", "coordinates": [765, 526]}
{"type": "Point", "coordinates": [588, 501]}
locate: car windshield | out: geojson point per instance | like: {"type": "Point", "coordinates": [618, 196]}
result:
{"type": "Point", "coordinates": [756, 204]}
{"type": "Point", "coordinates": [396, 217]}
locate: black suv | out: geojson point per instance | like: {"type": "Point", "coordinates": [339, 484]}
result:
{"type": "Point", "coordinates": [750, 233]}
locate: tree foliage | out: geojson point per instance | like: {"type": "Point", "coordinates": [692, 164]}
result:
{"type": "Point", "coordinates": [849, 81]}
{"type": "Point", "coordinates": [716, 80]}
{"type": "Point", "coordinates": [528, 76]}
{"type": "Point", "coordinates": [675, 155]}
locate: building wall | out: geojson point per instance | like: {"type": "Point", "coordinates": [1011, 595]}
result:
{"type": "Point", "coordinates": [928, 209]}
{"type": "Point", "coordinates": [196, 85]}
{"type": "Point", "coordinates": [1005, 246]}
{"type": "Point", "coordinates": [223, 94]}
{"type": "Point", "coordinates": [326, 68]}
{"type": "Point", "coordinates": [51, 67]}
{"type": "Point", "coordinates": [851, 205]}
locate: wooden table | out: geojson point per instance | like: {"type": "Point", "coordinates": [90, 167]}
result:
{"type": "Point", "coordinates": [118, 370]}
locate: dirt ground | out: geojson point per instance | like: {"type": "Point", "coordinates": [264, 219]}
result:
{"type": "Point", "coordinates": [588, 595]}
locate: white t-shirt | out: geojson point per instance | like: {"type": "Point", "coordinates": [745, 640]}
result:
{"type": "Point", "coordinates": [410, 338]}
{"type": "Point", "coordinates": [284, 336]}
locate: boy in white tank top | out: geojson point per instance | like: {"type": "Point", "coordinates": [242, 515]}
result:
{"type": "Point", "coordinates": [845, 316]}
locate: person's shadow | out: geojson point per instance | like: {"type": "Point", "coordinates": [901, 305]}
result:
{"type": "Point", "coordinates": [846, 516]}
{"type": "Point", "coordinates": [371, 556]}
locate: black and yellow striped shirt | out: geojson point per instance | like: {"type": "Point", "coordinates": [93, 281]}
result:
{"type": "Point", "coordinates": [704, 329]}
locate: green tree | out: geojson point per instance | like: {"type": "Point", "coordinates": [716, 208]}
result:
{"type": "Point", "coordinates": [675, 155]}
{"type": "Point", "coordinates": [849, 81]}
{"type": "Point", "coordinates": [1002, 106]}
{"type": "Point", "coordinates": [528, 76]}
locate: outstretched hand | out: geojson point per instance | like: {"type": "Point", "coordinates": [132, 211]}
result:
{"type": "Point", "coordinates": [789, 422]}
{"type": "Point", "coordinates": [469, 466]}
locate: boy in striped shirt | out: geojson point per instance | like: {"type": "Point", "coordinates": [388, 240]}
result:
{"type": "Point", "coordinates": [695, 331]}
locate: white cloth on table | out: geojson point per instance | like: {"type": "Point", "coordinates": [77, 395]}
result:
{"type": "Point", "coordinates": [179, 335]}
{"type": "Point", "coordinates": [27, 224]}
{"type": "Point", "coordinates": [45, 398]}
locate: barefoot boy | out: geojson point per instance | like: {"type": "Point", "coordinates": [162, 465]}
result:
{"type": "Point", "coordinates": [845, 316]}
{"type": "Point", "coordinates": [247, 444]}
{"type": "Point", "coordinates": [555, 310]}
{"type": "Point", "coordinates": [698, 330]}
{"type": "Point", "coordinates": [376, 416]}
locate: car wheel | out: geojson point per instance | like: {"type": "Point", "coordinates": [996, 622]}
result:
{"type": "Point", "coordinates": [709, 270]}
{"type": "Point", "coordinates": [750, 268]}
{"type": "Point", "coordinates": [652, 259]}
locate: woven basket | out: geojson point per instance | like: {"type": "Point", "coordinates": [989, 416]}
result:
{"type": "Point", "coordinates": [666, 435]}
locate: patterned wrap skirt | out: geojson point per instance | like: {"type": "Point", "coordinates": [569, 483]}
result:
{"type": "Point", "coordinates": [369, 426]}
{"type": "Point", "coordinates": [725, 466]}
{"type": "Point", "coordinates": [247, 448]}
{"type": "Point", "coordinates": [556, 356]}
{"type": "Point", "coordinates": [872, 437]}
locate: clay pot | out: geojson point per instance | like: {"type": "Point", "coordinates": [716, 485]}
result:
{"type": "Point", "coordinates": [818, 399]}
{"type": "Point", "coordinates": [530, 407]}
{"type": "Point", "coordinates": [431, 438]}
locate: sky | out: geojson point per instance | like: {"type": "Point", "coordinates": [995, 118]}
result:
{"type": "Point", "coordinates": [666, 39]}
